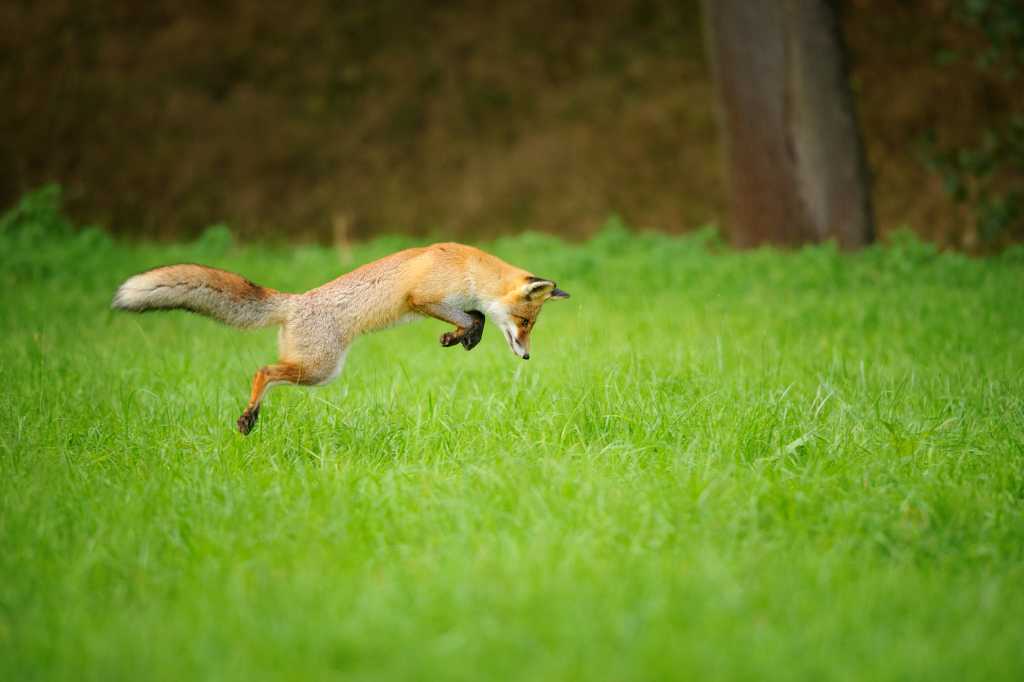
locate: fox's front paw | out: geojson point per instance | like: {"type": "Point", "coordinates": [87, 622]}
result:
{"type": "Point", "coordinates": [248, 420]}
{"type": "Point", "coordinates": [473, 335]}
{"type": "Point", "coordinates": [449, 339]}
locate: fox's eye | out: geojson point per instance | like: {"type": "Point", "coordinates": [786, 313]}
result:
{"type": "Point", "coordinates": [523, 322]}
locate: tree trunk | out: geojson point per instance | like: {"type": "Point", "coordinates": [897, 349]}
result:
{"type": "Point", "coordinates": [794, 152]}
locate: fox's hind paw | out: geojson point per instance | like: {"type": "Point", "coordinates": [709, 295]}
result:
{"type": "Point", "coordinates": [248, 420]}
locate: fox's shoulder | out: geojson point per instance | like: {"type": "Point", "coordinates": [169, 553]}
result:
{"type": "Point", "coordinates": [456, 250]}
{"type": "Point", "coordinates": [439, 267]}
{"type": "Point", "coordinates": [442, 251]}
{"type": "Point", "coordinates": [453, 254]}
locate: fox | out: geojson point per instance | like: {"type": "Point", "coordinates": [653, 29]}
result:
{"type": "Point", "coordinates": [455, 283]}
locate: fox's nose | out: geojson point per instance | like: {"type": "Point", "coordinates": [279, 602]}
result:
{"type": "Point", "coordinates": [526, 356]}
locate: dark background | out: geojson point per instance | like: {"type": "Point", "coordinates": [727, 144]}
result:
{"type": "Point", "coordinates": [327, 120]}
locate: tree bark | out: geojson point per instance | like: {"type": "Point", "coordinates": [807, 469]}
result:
{"type": "Point", "coordinates": [795, 158]}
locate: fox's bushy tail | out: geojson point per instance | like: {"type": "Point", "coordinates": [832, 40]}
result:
{"type": "Point", "coordinates": [219, 294]}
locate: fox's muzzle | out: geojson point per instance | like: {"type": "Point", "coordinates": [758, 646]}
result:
{"type": "Point", "coordinates": [518, 347]}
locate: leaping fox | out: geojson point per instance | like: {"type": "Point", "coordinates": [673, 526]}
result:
{"type": "Point", "coordinates": [451, 282]}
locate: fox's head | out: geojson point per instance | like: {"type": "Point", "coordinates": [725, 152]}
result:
{"type": "Point", "coordinates": [516, 312]}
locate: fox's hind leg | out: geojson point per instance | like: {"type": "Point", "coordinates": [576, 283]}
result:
{"type": "Point", "coordinates": [298, 373]}
{"type": "Point", "coordinates": [265, 377]}
{"type": "Point", "coordinates": [311, 352]}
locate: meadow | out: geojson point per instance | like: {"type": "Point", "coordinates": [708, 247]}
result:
{"type": "Point", "coordinates": [716, 465]}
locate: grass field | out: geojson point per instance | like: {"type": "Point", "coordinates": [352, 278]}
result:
{"type": "Point", "coordinates": [716, 466]}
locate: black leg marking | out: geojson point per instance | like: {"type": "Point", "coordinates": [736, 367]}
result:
{"type": "Point", "coordinates": [472, 337]}
{"type": "Point", "coordinates": [469, 337]}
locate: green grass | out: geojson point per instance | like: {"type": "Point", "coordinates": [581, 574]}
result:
{"type": "Point", "coordinates": [716, 466]}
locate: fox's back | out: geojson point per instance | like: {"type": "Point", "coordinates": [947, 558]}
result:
{"type": "Point", "coordinates": [448, 264]}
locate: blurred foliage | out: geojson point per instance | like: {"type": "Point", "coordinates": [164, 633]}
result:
{"type": "Point", "coordinates": [336, 121]}
{"type": "Point", "coordinates": [985, 174]}
{"type": "Point", "coordinates": [342, 120]}
{"type": "Point", "coordinates": [1002, 23]}
{"type": "Point", "coordinates": [38, 239]}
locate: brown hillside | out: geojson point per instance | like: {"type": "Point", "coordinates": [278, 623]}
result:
{"type": "Point", "coordinates": [466, 118]}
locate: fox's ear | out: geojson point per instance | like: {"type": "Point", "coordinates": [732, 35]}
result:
{"type": "Point", "coordinates": [536, 289]}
